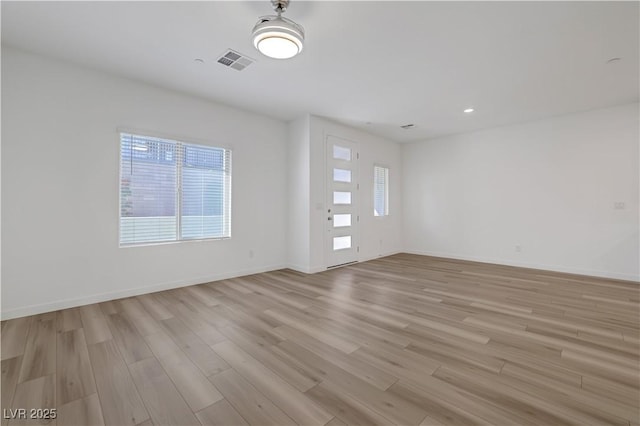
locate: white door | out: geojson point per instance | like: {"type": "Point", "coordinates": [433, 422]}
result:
{"type": "Point", "coordinates": [342, 202]}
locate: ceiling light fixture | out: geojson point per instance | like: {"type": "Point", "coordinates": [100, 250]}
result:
{"type": "Point", "coordinates": [278, 37]}
{"type": "Point", "coordinates": [468, 110]}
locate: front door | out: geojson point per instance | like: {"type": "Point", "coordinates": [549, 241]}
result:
{"type": "Point", "coordinates": [342, 202]}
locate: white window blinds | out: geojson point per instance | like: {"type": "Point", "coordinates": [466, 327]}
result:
{"type": "Point", "coordinates": [172, 191]}
{"type": "Point", "coordinates": [205, 192]}
{"type": "Point", "coordinates": [380, 191]}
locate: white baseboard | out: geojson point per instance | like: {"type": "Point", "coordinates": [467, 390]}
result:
{"type": "Point", "coordinates": [391, 253]}
{"type": "Point", "coordinates": [541, 266]}
{"type": "Point", "coordinates": [103, 297]}
{"type": "Point", "coordinates": [316, 269]}
{"type": "Point", "coordinates": [23, 311]}
{"type": "Point", "coordinates": [306, 269]}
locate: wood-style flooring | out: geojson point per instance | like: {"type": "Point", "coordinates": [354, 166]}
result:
{"type": "Point", "coordinates": [407, 340]}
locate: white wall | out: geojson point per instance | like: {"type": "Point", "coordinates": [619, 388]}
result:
{"type": "Point", "coordinates": [379, 236]}
{"type": "Point", "coordinates": [0, 190]}
{"type": "Point", "coordinates": [298, 163]}
{"type": "Point", "coordinates": [60, 187]}
{"type": "Point", "coordinates": [548, 186]}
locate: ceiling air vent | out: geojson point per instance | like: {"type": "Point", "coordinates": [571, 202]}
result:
{"type": "Point", "coordinates": [235, 60]}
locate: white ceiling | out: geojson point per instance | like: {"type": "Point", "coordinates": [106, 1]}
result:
{"type": "Point", "coordinates": [387, 63]}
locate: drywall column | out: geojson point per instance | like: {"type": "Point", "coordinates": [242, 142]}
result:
{"type": "Point", "coordinates": [298, 163]}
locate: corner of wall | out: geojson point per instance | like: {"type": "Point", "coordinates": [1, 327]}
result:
{"type": "Point", "coordinates": [298, 201]}
{"type": "Point", "coordinates": [540, 194]}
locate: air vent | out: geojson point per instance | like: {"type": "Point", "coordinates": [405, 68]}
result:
{"type": "Point", "coordinates": [235, 60]}
{"type": "Point", "coordinates": [408, 126]}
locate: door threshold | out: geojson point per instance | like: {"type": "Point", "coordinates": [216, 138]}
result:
{"type": "Point", "coordinates": [342, 264]}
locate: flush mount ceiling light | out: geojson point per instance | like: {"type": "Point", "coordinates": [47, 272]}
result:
{"type": "Point", "coordinates": [468, 110]}
{"type": "Point", "coordinates": [278, 37]}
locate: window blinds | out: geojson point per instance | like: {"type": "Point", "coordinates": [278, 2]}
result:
{"type": "Point", "coordinates": [205, 192]}
{"type": "Point", "coordinates": [380, 191]}
{"type": "Point", "coordinates": [172, 191]}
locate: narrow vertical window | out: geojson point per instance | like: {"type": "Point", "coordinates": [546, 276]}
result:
{"type": "Point", "coordinates": [380, 191]}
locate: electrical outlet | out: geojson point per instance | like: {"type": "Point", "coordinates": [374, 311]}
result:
{"type": "Point", "coordinates": [619, 205]}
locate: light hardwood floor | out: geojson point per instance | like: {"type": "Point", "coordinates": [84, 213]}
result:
{"type": "Point", "coordinates": [406, 339]}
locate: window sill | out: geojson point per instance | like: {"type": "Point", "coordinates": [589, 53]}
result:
{"type": "Point", "coordinates": [162, 243]}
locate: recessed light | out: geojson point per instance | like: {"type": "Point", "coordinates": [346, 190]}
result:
{"type": "Point", "coordinates": [613, 60]}
{"type": "Point", "coordinates": [468, 110]}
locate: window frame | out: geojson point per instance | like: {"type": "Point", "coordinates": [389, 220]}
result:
{"type": "Point", "coordinates": [386, 190]}
{"type": "Point", "coordinates": [178, 195]}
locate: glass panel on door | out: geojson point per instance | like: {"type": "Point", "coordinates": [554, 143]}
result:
{"type": "Point", "coordinates": [341, 220]}
{"type": "Point", "coordinates": [341, 175]}
{"type": "Point", "coordinates": [341, 243]}
{"type": "Point", "coordinates": [340, 197]}
{"type": "Point", "coordinates": [341, 153]}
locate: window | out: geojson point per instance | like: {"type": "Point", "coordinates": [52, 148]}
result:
{"type": "Point", "coordinates": [380, 191]}
{"type": "Point", "coordinates": [173, 191]}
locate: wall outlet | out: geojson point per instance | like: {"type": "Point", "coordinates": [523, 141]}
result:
{"type": "Point", "coordinates": [518, 248]}
{"type": "Point", "coordinates": [619, 205]}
